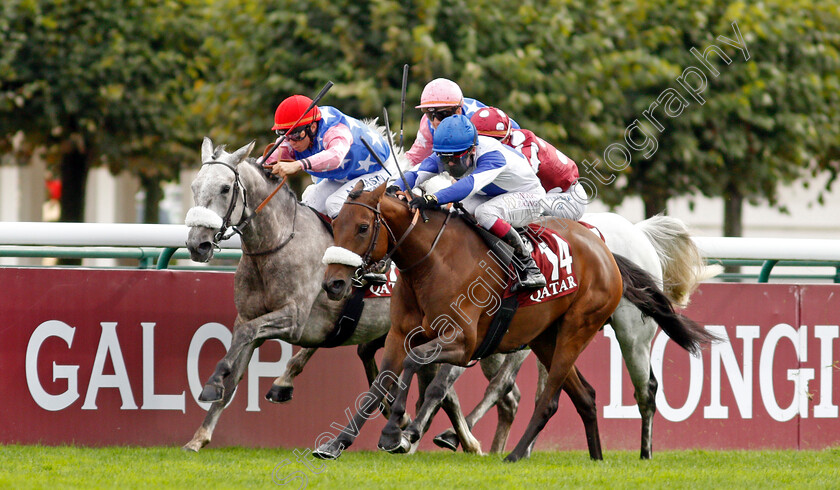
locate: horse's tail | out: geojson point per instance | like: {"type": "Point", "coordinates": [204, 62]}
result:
{"type": "Point", "coordinates": [683, 266]}
{"type": "Point", "coordinates": [640, 289]}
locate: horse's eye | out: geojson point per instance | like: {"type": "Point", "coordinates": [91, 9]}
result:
{"type": "Point", "coordinates": [363, 228]}
{"type": "Point", "coordinates": [225, 189]}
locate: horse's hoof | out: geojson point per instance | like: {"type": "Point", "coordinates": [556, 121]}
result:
{"type": "Point", "coordinates": [447, 440]}
{"type": "Point", "coordinates": [328, 451]}
{"type": "Point", "coordinates": [402, 447]}
{"type": "Point", "coordinates": [411, 435]}
{"type": "Point", "coordinates": [191, 447]}
{"type": "Point", "coordinates": [512, 458]}
{"type": "Point", "coordinates": [211, 393]}
{"type": "Point", "coordinates": [279, 394]}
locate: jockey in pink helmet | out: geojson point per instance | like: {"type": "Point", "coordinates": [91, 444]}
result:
{"type": "Point", "coordinates": [441, 98]}
{"type": "Point", "coordinates": [493, 182]}
{"type": "Point", "coordinates": [558, 174]}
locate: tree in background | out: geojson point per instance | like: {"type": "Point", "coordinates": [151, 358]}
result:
{"type": "Point", "coordinates": [580, 74]}
{"type": "Point", "coordinates": [583, 75]}
{"type": "Point", "coordinates": [100, 83]}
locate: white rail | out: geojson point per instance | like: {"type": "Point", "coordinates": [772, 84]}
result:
{"type": "Point", "coordinates": [769, 248]}
{"type": "Point", "coordinates": [99, 235]}
{"type": "Point", "coordinates": [175, 236]}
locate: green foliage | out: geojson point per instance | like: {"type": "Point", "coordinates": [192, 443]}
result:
{"type": "Point", "coordinates": [108, 79]}
{"type": "Point", "coordinates": [136, 81]}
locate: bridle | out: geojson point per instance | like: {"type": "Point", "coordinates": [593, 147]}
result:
{"type": "Point", "coordinates": [226, 219]}
{"type": "Point", "coordinates": [367, 262]}
{"type": "Point", "coordinates": [228, 229]}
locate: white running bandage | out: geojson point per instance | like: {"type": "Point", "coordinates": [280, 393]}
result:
{"type": "Point", "coordinates": [339, 255]}
{"type": "Point", "coordinates": [201, 216]}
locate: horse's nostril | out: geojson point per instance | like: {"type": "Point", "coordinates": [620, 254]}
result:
{"type": "Point", "coordinates": [204, 247]}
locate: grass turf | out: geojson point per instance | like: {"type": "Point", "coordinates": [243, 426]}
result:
{"type": "Point", "coordinates": [130, 467]}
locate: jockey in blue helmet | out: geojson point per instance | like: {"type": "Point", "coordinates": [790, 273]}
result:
{"type": "Point", "coordinates": [493, 181]}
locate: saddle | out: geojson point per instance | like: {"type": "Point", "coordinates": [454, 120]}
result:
{"type": "Point", "coordinates": [551, 253]}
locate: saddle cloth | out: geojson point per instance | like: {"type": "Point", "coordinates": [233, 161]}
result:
{"type": "Point", "coordinates": [554, 258]}
{"type": "Point", "coordinates": [384, 290]}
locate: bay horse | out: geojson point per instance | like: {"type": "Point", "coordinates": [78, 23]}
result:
{"type": "Point", "coordinates": [277, 291]}
{"type": "Point", "coordinates": [438, 267]}
{"type": "Point", "coordinates": [660, 245]}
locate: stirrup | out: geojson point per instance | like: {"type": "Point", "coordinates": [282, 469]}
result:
{"type": "Point", "coordinates": [379, 276]}
{"type": "Point", "coordinates": [528, 275]}
{"type": "Point", "coordinates": [375, 278]}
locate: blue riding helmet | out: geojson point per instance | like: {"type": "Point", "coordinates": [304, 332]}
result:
{"type": "Point", "coordinates": [454, 141]}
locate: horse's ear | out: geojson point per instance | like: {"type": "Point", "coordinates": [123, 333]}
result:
{"type": "Point", "coordinates": [206, 149]}
{"type": "Point", "coordinates": [377, 193]}
{"type": "Point", "coordinates": [242, 153]}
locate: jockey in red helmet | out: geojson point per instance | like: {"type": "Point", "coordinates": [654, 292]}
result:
{"type": "Point", "coordinates": [494, 182]}
{"type": "Point", "coordinates": [327, 144]}
{"type": "Point", "coordinates": [440, 98]}
{"type": "Point", "coordinates": [558, 174]}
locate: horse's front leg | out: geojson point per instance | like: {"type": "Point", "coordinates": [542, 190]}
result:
{"type": "Point", "coordinates": [385, 387]}
{"type": "Point", "coordinates": [276, 325]}
{"type": "Point", "coordinates": [204, 433]}
{"type": "Point", "coordinates": [440, 352]}
{"type": "Point", "coordinates": [282, 388]}
{"type": "Point", "coordinates": [434, 396]}
{"type": "Point", "coordinates": [501, 392]}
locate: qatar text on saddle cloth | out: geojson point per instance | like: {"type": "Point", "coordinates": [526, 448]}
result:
{"type": "Point", "coordinates": [554, 258]}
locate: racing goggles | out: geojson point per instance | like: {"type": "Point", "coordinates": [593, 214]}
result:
{"type": "Point", "coordinates": [457, 164]}
{"type": "Point", "coordinates": [440, 113]}
{"type": "Point", "coordinates": [296, 134]}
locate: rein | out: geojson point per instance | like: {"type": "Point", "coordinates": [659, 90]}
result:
{"type": "Point", "coordinates": [367, 265]}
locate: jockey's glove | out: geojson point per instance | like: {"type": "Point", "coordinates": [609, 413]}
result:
{"type": "Point", "coordinates": [429, 201]}
{"type": "Point", "coordinates": [392, 190]}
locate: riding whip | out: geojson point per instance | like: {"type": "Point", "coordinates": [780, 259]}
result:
{"type": "Point", "coordinates": [402, 103]}
{"type": "Point", "coordinates": [391, 146]}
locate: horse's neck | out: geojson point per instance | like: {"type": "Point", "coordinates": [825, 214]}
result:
{"type": "Point", "coordinates": [274, 222]}
{"type": "Point", "coordinates": [417, 245]}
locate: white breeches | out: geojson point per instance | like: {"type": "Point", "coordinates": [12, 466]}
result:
{"type": "Point", "coordinates": [327, 196]}
{"type": "Point", "coordinates": [517, 208]}
{"type": "Point", "coordinates": [570, 204]}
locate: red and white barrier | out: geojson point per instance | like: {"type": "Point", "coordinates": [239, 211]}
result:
{"type": "Point", "coordinates": [100, 357]}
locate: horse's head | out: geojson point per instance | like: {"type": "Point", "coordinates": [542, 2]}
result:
{"type": "Point", "coordinates": [219, 197]}
{"type": "Point", "coordinates": [360, 241]}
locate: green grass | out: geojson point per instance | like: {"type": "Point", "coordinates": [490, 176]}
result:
{"type": "Point", "coordinates": [77, 467]}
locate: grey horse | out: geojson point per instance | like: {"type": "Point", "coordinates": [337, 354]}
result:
{"type": "Point", "coordinates": [278, 294]}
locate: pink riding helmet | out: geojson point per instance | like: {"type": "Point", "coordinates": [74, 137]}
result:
{"type": "Point", "coordinates": [441, 92]}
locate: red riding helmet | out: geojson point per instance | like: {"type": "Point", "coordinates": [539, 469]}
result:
{"type": "Point", "coordinates": [492, 122]}
{"type": "Point", "coordinates": [291, 109]}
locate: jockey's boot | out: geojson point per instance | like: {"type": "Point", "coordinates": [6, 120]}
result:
{"type": "Point", "coordinates": [528, 273]}
{"type": "Point", "coordinates": [379, 276]}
